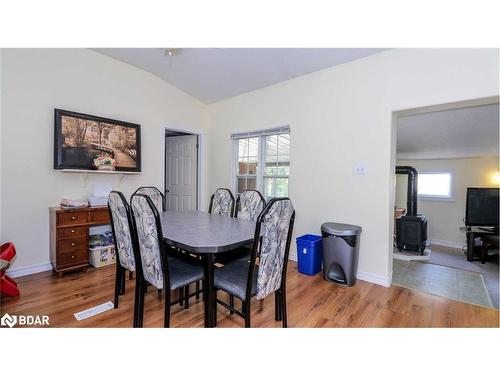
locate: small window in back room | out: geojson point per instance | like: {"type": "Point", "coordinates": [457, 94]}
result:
{"type": "Point", "coordinates": [435, 185]}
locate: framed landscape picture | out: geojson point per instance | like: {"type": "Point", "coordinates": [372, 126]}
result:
{"type": "Point", "coordinates": [89, 142]}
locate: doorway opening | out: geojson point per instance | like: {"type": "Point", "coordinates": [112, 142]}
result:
{"type": "Point", "coordinates": [451, 148]}
{"type": "Point", "coordinates": [181, 170]}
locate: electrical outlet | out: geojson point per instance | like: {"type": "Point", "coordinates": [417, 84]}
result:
{"type": "Point", "coordinates": [359, 170]}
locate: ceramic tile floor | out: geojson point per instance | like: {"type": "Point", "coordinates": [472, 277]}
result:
{"type": "Point", "coordinates": [443, 281]}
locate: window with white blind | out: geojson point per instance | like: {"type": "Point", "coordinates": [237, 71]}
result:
{"type": "Point", "coordinates": [262, 162]}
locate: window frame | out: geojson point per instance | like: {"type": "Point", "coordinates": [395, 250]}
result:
{"type": "Point", "coordinates": [261, 161]}
{"type": "Point", "coordinates": [432, 197]}
{"type": "Point", "coordinates": [237, 175]}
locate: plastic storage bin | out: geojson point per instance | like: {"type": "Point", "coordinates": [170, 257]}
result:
{"type": "Point", "coordinates": [102, 256]}
{"type": "Point", "coordinates": [309, 254]}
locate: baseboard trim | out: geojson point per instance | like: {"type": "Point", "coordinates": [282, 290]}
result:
{"type": "Point", "coordinates": [374, 279]}
{"type": "Point", "coordinates": [29, 270]}
{"type": "Point", "coordinates": [365, 276]}
{"type": "Point", "coordinates": [455, 245]}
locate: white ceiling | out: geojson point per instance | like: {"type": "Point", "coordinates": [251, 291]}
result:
{"type": "Point", "coordinates": [213, 74]}
{"type": "Point", "coordinates": [456, 133]}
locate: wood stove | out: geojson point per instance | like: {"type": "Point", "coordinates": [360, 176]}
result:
{"type": "Point", "coordinates": [411, 228]}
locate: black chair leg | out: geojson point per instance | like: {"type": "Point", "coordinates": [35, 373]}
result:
{"type": "Point", "coordinates": [215, 308]}
{"type": "Point", "coordinates": [277, 306]}
{"type": "Point", "coordinates": [122, 280]}
{"type": "Point", "coordinates": [166, 319]}
{"type": "Point", "coordinates": [246, 312]}
{"type": "Point", "coordinates": [186, 297]}
{"type": "Point", "coordinates": [140, 307]}
{"type": "Point", "coordinates": [231, 303]}
{"type": "Point", "coordinates": [197, 290]}
{"type": "Point", "coordinates": [117, 285]}
{"type": "Point", "coordinates": [136, 303]}
{"type": "Point", "coordinates": [283, 309]}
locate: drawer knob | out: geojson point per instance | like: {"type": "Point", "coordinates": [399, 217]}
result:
{"type": "Point", "coordinates": [72, 231]}
{"type": "Point", "coordinates": [72, 244]}
{"type": "Point", "coordinates": [72, 257]}
{"type": "Point", "coordinates": [73, 218]}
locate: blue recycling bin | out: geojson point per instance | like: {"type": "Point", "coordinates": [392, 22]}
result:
{"type": "Point", "coordinates": [309, 254]}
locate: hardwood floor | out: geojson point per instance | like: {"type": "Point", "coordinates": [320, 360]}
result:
{"type": "Point", "coordinates": [312, 302]}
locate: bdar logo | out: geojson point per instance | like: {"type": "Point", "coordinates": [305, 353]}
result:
{"type": "Point", "coordinates": [8, 320]}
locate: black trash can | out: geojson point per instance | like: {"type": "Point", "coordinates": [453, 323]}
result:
{"type": "Point", "coordinates": [340, 252]}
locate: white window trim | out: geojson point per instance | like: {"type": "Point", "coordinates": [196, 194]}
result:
{"type": "Point", "coordinates": [442, 198]}
{"type": "Point", "coordinates": [261, 134]}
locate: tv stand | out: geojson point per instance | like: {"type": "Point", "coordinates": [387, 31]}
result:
{"type": "Point", "coordinates": [474, 232]}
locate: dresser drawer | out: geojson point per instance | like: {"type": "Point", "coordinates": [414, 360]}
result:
{"type": "Point", "coordinates": [72, 244]}
{"type": "Point", "coordinates": [101, 216]}
{"type": "Point", "coordinates": [71, 232]}
{"type": "Point", "coordinates": [70, 218]}
{"type": "Point", "coordinates": [78, 256]}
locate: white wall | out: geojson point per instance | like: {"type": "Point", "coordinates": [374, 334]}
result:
{"type": "Point", "coordinates": [35, 81]}
{"type": "Point", "coordinates": [340, 117]}
{"type": "Point", "coordinates": [446, 217]}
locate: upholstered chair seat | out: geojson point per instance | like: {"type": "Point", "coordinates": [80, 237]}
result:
{"type": "Point", "coordinates": [183, 273]}
{"type": "Point", "coordinates": [233, 278]}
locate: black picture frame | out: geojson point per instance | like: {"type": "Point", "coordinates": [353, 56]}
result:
{"type": "Point", "coordinates": [60, 162]}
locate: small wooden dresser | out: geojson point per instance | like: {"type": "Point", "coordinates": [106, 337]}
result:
{"type": "Point", "coordinates": [69, 236]}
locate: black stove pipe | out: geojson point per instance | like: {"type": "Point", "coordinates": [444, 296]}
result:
{"type": "Point", "coordinates": [411, 200]}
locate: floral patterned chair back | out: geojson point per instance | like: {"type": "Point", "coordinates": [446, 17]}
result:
{"type": "Point", "coordinates": [156, 196]}
{"type": "Point", "coordinates": [249, 205]}
{"type": "Point", "coordinates": [276, 229]}
{"type": "Point", "coordinates": [147, 237]}
{"type": "Point", "coordinates": [222, 202]}
{"type": "Point", "coordinates": [121, 222]}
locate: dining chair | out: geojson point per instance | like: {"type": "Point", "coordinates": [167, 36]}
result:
{"type": "Point", "coordinates": [249, 205]}
{"type": "Point", "coordinates": [157, 267]}
{"type": "Point", "coordinates": [121, 227]}
{"type": "Point", "coordinates": [243, 278]}
{"type": "Point", "coordinates": [159, 200]}
{"type": "Point", "coordinates": [221, 202]}
{"type": "Point", "coordinates": [155, 194]}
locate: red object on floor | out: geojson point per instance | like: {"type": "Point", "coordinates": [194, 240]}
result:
{"type": "Point", "coordinates": [8, 287]}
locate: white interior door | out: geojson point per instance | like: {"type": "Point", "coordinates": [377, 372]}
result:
{"type": "Point", "coordinates": [181, 159]}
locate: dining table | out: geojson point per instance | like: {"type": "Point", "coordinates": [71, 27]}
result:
{"type": "Point", "coordinates": [206, 235]}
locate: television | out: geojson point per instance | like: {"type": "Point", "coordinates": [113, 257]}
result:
{"type": "Point", "coordinates": [482, 207]}
{"type": "Point", "coordinates": [87, 142]}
